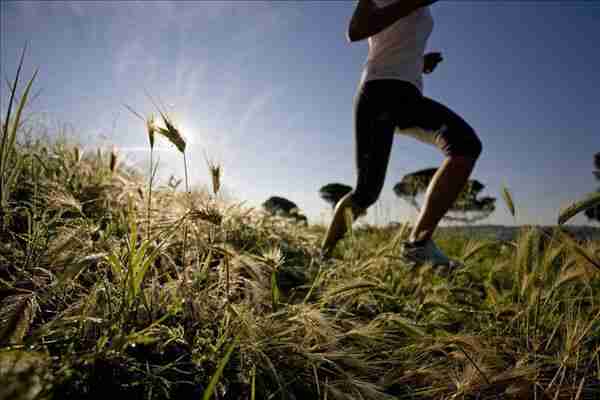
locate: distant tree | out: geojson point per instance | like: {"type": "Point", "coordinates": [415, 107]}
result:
{"type": "Point", "coordinates": [468, 208]}
{"type": "Point", "coordinates": [414, 184]}
{"type": "Point", "coordinates": [333, 192]}
{"type": "Point", "coordinates": [280, 206]}
{"type": "Point", "coordinates": [593, 213]}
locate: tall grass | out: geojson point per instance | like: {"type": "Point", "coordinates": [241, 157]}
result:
{"type": "Point", "coordinates": [591, 200]}
{"type": "Point", "coordinates": [10, 160]}
{"type": "Point", "coordinates": [220, 301]}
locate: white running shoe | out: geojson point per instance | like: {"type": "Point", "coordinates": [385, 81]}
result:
{"type": "Point", "coordinates": [427, 253]}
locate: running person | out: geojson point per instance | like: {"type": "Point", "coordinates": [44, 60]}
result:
{"type": "Point", "coordinates": [389, 98]}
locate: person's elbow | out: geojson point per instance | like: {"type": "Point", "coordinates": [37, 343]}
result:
{"type": "Point", "coordinates": [355, 35]}
{"type": "Point", "coordinates": [351, 37]}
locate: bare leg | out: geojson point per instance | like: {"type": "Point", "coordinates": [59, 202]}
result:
{"type": "Point", "coordinates": [338, 227]}
{"type": "Point", "coordinates": [443, 190]}
{"type": "Point", "coordinates": [374, 136]}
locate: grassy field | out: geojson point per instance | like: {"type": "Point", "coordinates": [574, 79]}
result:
{"type": "Point", "coordinates": [108, 288]}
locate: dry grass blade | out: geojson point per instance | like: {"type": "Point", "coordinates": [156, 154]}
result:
{"type": "Point", "coordinates": [150, 124]}
{"type": "Point", "coordinates": [481, 373]}
{"type": "Point", "coordinates": [62, 199]}
{"type": "Point", "coordinates": [349, 219]}
{"type": "Point", "coordinates": [580, 389]}
{"type": "Point", "coordinates": [507, 197]}
{"type": "Point", "coordinates": [354, 288]}
{"type": "Point", "coordinates": [591, 200]}
{"type": "Point", "coordinates": [5, 135]}
{"type": "Point", "coordinates": [17, 323]}
{"type": "Point", "coordinates": [207, 213]}
{"type": "Point", "coordinates": [253, 384]}
{"type": "Point", "coordinates": [217, 375]}
{"type": "Point", "coordinates": [275, 293]}
{"type": "Point", "coordinates": [581, 251]}
{"type": "Point", "coordinates": [475, 247]}
{"type": "Point", "coordinates": [134, 112]}
{"type": "Point", "coordinates": [9, 135]}
{"type": "Point", "coordinates": [408, 327]}
{"type": "Point", "coordinates": [569, 276]}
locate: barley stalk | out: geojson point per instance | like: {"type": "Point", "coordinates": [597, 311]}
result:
{"type": "Point", "coordinates": [215, 173]}
{"type": "Point", "coordinates": [590, 201]}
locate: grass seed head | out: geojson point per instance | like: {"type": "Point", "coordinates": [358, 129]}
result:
{"type": "Point", "coordinates": [174, 182]}
{"type": "Point", "coordinates": [171, 133]}
{"type": "Point", "coordinates": [215, 173]}
{"type": "Point", "coordinates": [113, 160]}
{"type": "Point", "coordinates": [509, 201]}
{"type": "Point", "coordinates": [151, 129]}
{"type": "Point", "coordinates": [215, 170]}
{"type": "Point", "coordinates": [207, 213]}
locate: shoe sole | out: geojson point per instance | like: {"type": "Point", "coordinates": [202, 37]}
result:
{"type": "Point", "coordinates": [452, 266]}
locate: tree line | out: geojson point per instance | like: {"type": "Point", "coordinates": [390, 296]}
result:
{"type": "Point", "coordinates": [470, 206]}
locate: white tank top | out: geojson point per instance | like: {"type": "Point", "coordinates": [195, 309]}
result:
{"type": "Point", "coordinates": [397, 51]}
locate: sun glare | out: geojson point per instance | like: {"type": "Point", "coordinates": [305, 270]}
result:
{"type": "Point", "coordinates": [187, 131]}
{"type": "Point", "coordinates": [185, 128]}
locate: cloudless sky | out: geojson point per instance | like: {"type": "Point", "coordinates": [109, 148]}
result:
{"type": "Point", "coordinates": [266, 88]}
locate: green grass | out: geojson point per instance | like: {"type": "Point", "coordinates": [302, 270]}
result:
{"type": "Point", "coordinates": [104, 291]}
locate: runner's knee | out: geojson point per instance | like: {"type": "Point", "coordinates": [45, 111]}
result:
{"type": "Point", "coordinates": [473, 147]}
{"type": "Point", "coordinates": [362, 200]}
{"type": "Point", "coordinates": [466, 145]}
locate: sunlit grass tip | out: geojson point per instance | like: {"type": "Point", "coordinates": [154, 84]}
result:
{"type": "Point", "coordinates": [508, 199]}
{"type": "Point", "coordinates": [590, 201]}
{"type": "Point", "coordinates": [113, 159]}
{"type": "Point", "coordinates": [215, 170]}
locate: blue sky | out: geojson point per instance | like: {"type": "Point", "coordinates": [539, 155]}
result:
{"type": "Point", "coordinates": [266, 88]}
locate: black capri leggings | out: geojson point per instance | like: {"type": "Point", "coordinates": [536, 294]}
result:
{"type": "Point", "coordinates": [381, 107]}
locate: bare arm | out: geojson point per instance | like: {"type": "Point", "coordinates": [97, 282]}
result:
{"type": "Point", "coordinates": [369, 20]}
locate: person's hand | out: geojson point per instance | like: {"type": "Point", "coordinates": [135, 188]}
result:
{"type": "Point", "coordinates": [430, 61]}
